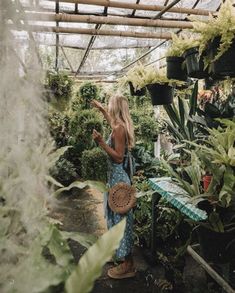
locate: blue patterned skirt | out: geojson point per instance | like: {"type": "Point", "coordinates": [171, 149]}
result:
{"type": "Point", "coordinates": [116, 175]}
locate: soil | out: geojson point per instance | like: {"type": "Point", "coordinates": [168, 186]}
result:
{"type": "Point", "coordinates": [83, 212]}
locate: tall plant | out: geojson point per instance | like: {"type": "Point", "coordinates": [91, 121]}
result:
{"type": "Point", "coordinates": [180, 123]}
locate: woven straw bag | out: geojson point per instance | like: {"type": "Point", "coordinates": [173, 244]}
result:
{"type": "Point", "coordinates": [121, 198]}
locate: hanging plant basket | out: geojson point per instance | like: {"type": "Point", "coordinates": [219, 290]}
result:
{"type": "Point", "coordinates": [161, 94]}
{"type": "Point", "coordinates": [225, 65]}
{"type": "Point", "coordinates": [194, 63]}
{"type": "Point", "coordinates": [139, 93]}
{"type": "Point", "coordinates": [176, 68]}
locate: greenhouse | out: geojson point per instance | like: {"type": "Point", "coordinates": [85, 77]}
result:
{"type": "Point", "coordinates": [117, 157]}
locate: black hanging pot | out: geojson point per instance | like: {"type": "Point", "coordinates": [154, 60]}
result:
{"type": "Point", "coordinates": [194, 63]}
{"type": "Point", "coordinates": [161, 94]}
{"type": "Point", "coordinates": [225, 65]}
{"type": "Point", "coordinates": [140, 92]}
{"type": "Point", "coordinates": [176, 68]}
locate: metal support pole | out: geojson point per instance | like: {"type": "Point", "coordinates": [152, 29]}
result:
{"type": "Point", "coordinates": [210, 270]}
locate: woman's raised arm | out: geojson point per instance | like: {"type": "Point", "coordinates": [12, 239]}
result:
{"type": "Point", "coordinates": [100, 107]}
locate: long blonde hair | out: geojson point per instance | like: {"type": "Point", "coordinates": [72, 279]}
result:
{"type": "Point", "coordinates": [119, 113]}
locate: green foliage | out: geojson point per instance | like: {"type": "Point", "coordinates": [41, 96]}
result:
{"type": "Point", "coordinates": [181, 126]}
{"type": "Point", "coordinates": [61, 87]}
{"type": "Point", "coordinates": [47, 262]}
{"type": "Point", "coordinates": [217, 108]}
{"type": "Point", "coordinates": [80, 185]}
{"type": "Point", "coordinates": [216, 156]}
{"type": "Point", "coordinates": [64, 171]}
{"type": "Point", "coordinates": [142, 214]}
{"type": "Point", "coordinates": [91, 263]}
{"type": "Point", "coordinates": [146, 163]}
{"type": "Point", "coordinates": [141, 75]}
{"type": "Point", "coordinates": [58, 125]}
{"type": "Point", "coordinates": [80, 129]}
{"type": "Point", "coordinates": [88, 91]}
{"type": "Point", "coordinates": [146, 126]}
{"type": "Point", "coordinates": [94, 164]}
{"type": "Point", "coordinates": [180, 43]}
{"type": "Point", "coordinates": [217, 27]}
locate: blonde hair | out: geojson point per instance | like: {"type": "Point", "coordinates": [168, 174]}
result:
{"type": "Point", "coordinates": [119, 113]}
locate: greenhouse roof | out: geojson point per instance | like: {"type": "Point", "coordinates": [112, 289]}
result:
{"type": "Point", "coordinates": [115, 27]}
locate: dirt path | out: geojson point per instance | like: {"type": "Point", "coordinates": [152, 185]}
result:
{"type": "Point", "coordinates": [82, 211]}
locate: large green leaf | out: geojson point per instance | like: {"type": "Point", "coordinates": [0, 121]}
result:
{"type": "Point", "coordinates": [193, 100]}
{"type": "Point", "coordinates": [91, 263]}
{"type": "Point", "coordinates": [34, 274]}
{"type": "Point", "coordinates": [81, 185]}
{"type": "Point", "coordinates": [182, 111]}
{"type": "Point", "coordinates": [84, 239]}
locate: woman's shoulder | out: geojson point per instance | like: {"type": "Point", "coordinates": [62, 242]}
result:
{"type": "Point", "coordinates": [119, 128]}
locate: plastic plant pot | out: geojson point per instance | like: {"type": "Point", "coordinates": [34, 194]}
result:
{"type": "Point", "coordinates": [161, 94]}
{"type": "Point", "coordinates": [176, 68]}
{"type": "Point", "coordinates": [139, 93]}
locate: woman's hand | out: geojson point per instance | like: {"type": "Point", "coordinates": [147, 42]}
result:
{"type": "Point", "coordinates": [97, 105]}
{"type": "Point", "coordinates": [97, 136]}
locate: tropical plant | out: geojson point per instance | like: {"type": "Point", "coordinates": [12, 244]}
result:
{"type": "Point", "coordinates": [213, 109]}
{"type": "Point", "coordinates": [215, 26]}
{"type": "Point", "coordinates": [180, 125]}
{"type": "Point", "coordinates": [141, 75]}
{"type": "Point", "coordinates": [64, 171]}
{"type": "Point", "coordinates": [134, 75]}
{"type": "Point", "coordinates": [180, 43]}
{"type": "Point", "coordinates": [215, 156]}
{"type": "Point", "coordinates": [88, 91]}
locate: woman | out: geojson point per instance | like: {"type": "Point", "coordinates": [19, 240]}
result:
{"type": "Point", "coordinates": [121, 138]}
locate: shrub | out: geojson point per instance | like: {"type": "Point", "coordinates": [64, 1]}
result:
{"type": "Point", "coordinates": [64, 171]}
{"type": "Point", "coordinates": [81, 119]}
{"type": "Point", "coordinates": [58, 125]}
{"type": "Point", "coordinates": [88, 91]}
{"type": "Point", "coordinates": [80, 131]}
{"type": "Point", "coordinates": [94, 164]}
{"type": "Point", "coordinates": [81, 127]}
{"type": "Point", "coordinates": [146, 126]}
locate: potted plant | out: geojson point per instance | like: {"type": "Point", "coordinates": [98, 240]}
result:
{"type": "Point", "coordinates": [133, 79]}
{"type": "Point", "coordinates": [219, 32]}
{"type": "Point", "coordinates": [176, 68]}
{"type": "Point", "coordinates": [88, 91]}
{"type": "Point", "coordinates": [60, 89]}
{"type": "Point", "coordinates": [217, 155]}
{"type": "Point", "coordinates": [161, 88]}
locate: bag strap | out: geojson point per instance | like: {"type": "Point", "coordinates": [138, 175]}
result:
{"type": "Point", "coordinates": [129, 157]}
